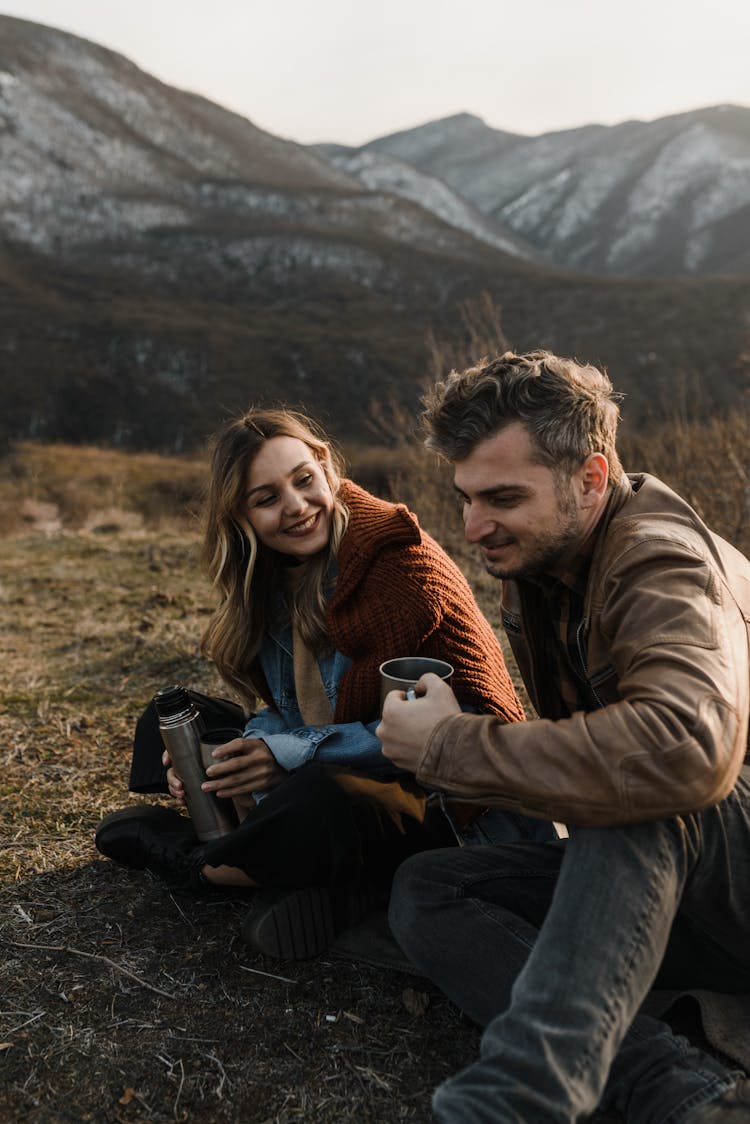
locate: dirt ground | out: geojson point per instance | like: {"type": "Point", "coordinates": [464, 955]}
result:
{"type": "Point", "coordinates": [123, 1000]}
{"type": "Point", "coordinates": [120, 999]}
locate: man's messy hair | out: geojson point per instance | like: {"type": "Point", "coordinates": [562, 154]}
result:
{"type": "Point", "coordinates": [569, 409]}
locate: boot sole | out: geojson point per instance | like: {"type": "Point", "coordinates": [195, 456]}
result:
{"type": "Point", "coordinates": [298, 926]}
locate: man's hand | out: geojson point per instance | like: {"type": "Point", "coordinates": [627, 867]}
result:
{"type": "Point", "coordinates": [407, 723]}
{"type": "Point", "coordinates": [243, 765]}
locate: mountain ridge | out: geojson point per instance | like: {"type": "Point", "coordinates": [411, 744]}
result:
{"type": "Point", "coordinates": [639, 198]}
{"type": "Point", "coordinates": [163, 262]}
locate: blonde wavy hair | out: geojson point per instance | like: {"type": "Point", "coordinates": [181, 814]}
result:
{"type": "Point", "coordinates": [247, 574]}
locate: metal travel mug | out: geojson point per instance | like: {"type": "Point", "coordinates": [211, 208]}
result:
{"type": "Point", "coordinates": [211, 738]}
{"type": "Point", "coordinates": [181, 728]}
{"type": "Point", "coordinates": [402, 674]}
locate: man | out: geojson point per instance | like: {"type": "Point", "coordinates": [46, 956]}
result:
{"type": "Point", "coordinates": [629, 622]}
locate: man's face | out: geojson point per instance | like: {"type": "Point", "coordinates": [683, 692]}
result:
{"type": "Point", "coordinates": [525, 519]}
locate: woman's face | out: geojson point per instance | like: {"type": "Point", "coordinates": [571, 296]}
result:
{"type": "Point", "coordinates": [287, 501]}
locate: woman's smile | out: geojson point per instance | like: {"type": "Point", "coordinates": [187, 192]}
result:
{"type": "Point", "coordinates": [288, 501]}
{"type": "Point", "coordinates": [305, 526]}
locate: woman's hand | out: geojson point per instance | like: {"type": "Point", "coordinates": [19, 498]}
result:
{"type": "Point", "coordinates": [174, 784]}
{"type": "Point", "coordinates": [243, 765]}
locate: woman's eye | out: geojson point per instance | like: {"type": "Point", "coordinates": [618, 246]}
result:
{"type": "Point", "coordinates": [304, 480]}
{"type": "Point", "coordinates": [264, 501]}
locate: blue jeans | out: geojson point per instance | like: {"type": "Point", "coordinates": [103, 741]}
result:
{"type": "Point", "coordinates": [552, 948]}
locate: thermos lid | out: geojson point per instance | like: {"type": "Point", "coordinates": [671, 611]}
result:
{"type": "Point", "coordinates": [170, 701]}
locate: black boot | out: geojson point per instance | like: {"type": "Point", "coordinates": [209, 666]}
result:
{"type": "Point", "coordinates": [151, 837]}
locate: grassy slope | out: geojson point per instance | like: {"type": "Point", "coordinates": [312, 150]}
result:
{"type": "Point", "coordinates": [121, 1000]}
{"type": "Point", "coordinates": [125, 1001]}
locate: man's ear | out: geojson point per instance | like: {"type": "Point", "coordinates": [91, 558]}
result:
{"type": "Point", "coordinates": [594, 477]}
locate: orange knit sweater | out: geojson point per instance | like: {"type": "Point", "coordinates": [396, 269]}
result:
{"type": "Point", "coordinates": [399, 594]}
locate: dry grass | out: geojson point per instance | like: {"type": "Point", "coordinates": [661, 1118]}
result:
{"type": "Point", "coordinates": [123, 1001]}
{"type": "Point", "coordinates": [707, 462]}
{"type": "Point", "coordinates": [48, 487]}
{"type": "Point", "coordinates": [91, 622]}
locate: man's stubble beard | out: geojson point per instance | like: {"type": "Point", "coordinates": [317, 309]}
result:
{"type": "Point", "coordinates": [549, 548]}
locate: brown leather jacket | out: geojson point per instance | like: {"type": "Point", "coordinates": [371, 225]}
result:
{"type": "Point", "coordinates": [664, 641]}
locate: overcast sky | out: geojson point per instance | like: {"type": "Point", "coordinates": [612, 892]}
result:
{"type": "Point", "coordinates": [351, 70]}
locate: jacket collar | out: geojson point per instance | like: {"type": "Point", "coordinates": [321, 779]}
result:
{"type": "Point", "coordinates": [620, 496]}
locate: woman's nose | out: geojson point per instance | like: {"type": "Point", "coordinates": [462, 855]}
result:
{"type": "Point", "coordinates": [293, 502]}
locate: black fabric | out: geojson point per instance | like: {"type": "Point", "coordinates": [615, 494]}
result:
{"type": "Point", "coordinates": [308, 831]}
{"type": "Point", "coordinates": [147, 774]}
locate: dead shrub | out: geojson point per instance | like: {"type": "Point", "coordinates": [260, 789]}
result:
{"type": "Point", "coordinates": [399, 466]}
{"type": "Point", "coordinates": [706, 459]}
{"type": "Point", "coordinates": [708, 463]}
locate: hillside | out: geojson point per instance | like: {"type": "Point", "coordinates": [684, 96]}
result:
{"type": "Point", "coordinates": [163, 262]}
{"type": "Point", "coordinates": [663, 198]}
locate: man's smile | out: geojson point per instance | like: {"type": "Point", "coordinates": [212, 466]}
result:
{"type": "Point", "coordinates": [487, 547]}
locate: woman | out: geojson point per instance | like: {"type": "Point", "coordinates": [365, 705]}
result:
{"type": "Point", "coordinates": [319, 583]}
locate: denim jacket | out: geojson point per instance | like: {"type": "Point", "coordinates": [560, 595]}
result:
{"type": "Point", "coordinates": [352, 743]}
{"type": "Point", "coordinates": [291, 742]}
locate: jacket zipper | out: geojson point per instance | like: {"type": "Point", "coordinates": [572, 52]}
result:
{"type": "Point", "coordinates": [589, 682]}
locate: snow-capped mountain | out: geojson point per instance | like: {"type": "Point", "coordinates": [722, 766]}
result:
{"type": "Point", "coordinates": [94, 149]}
{"type": "Point", "coordinates": [164, 262]}
{"type": "Point", "coordinates": [663, 198]}
{"type": "Point", "coordinates": [378, 172]}
{"type": "Point", "coordinates": [132, 213]}
{"type": "Point", "coordinates": [92, 145]}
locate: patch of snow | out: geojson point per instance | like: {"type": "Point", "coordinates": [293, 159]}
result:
{"type": "Point", "coordinates": [687, 177]}
{"type": "Point", "coordinates": [640, 232]}
{"type": "Point", "coordinates": [597, 179]}
{"type": "Point", "coordinates": [384, 173]}
{"type": "Point", "coordinates": [728, 193]}
{"type": "Point", "coordinates": [529, 208]}
{"type": "Point", "coordinates": [697, 249]}
{"type": "Point", "coordinates": [691, 158]}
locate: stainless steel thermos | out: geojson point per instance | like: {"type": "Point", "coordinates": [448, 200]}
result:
{"type": "Point", "coordinates": [181, 726]}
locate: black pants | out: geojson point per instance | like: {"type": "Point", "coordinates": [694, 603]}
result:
{"type": "Point", "coordinates": [307, 830]}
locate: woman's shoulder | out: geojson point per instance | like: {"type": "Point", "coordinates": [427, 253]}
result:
{"type": "Point", "coordinates": [374, 522]}
{"type": "Point", "coordinates": [380, 530]}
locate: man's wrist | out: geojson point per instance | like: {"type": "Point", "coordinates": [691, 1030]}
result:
{"type": "Point", "coordinates": [434, 764]}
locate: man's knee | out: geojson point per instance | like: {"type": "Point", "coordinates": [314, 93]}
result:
{"type": "Point", "coordinates": [404, 908]}
{"type": "Point", "coordinates": [423, 886]}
